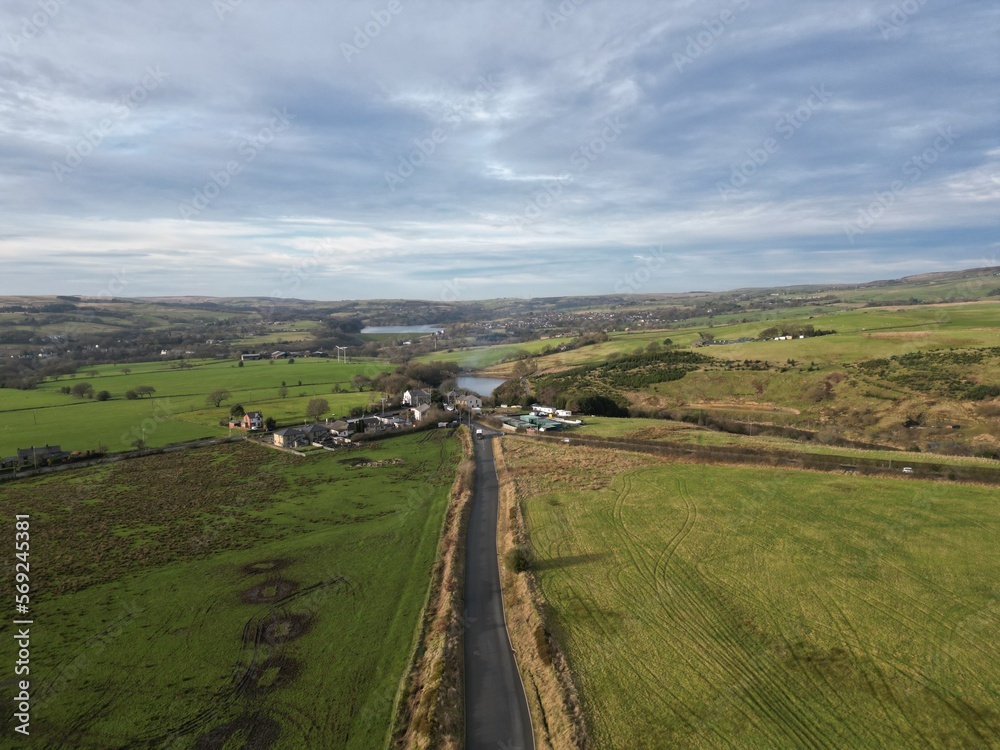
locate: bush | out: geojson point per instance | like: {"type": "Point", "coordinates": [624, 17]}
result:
{"type": "Point", "coordinates": [103, 396]}
{"type": "Point", "coordinates": [520, 558]}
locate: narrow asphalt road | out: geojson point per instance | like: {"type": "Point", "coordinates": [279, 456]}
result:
{"type": "Point", "coordinates": [495, 708]}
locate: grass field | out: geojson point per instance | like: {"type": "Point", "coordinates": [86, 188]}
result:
{"type": "Point", "coordinates": [709, 606]}
{"type": "Point", "coordinates": [177, 411]}
{"type": "Point", "coordinates": [229, 597]}
{"type": "Point", "coordinates": [861, 334]}
{"type": "Point", "coordinates": [488, 356]}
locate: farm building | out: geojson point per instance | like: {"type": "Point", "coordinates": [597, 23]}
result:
{"type": "Point", "coordinates": [542, 424]}
{"type": "Point", "coordinates": [249, 357]}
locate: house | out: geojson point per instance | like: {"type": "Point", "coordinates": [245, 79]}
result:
{"type": "Point", "coordinates": [419, 412]}
{"type": "Point", "coordinates": [253, 420]}
{"type": "Point", "coordinates": [279, 355]}
{"type": "Point", "coordinates": [40, 456]}
{"type": "Point", "coordinates": [289, 437]}
{"type": "Point", "coordinates": [340, 428]}
{"type": "Point", "coordinates": [470, 401]}
{"type": "Point", "coordinates": [416, 397]}
{"type": "Point", "coordinates": [316, 433]}
{"type": "Point", "coordinates": [451, 397]}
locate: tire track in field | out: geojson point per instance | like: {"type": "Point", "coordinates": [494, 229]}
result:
{"type": "Point", "coordinates": [722, 670]}
{"type": "Point", "coordinates": [708, 623]}
{"type": "Point", "coordinates": [952, 702]}
{"type": "Point", "coordinates": [637, 554]}
{"type": "Point", "coordinates": [853, 642]}
{"type": "Point", "coordinates": [824, 690]}
{"type": "Point", "coordinates": [742, 658]}
{"type": "Point", "coordinates": [932, 636]}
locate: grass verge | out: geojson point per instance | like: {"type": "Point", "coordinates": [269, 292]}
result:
{"type": "Point", "coordinates": [431, 712]}
{"type": "Point", "coordinates": [552, 698]}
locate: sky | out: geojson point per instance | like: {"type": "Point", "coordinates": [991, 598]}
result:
{"type": "Point", "coordinates": [516, 148]}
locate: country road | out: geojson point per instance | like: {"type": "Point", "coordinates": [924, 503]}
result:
{"type": "Point", "coordinates": [497, 715]}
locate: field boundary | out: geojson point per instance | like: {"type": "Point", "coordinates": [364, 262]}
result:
{"type": "Point", "coordinates": [111, 458]}
{"type": "Point", "coordinates": [922, 469]}
{"type": "Point", "coordinates": [552, 697]}
{"type": "Point", "coordinates": [430, 708]}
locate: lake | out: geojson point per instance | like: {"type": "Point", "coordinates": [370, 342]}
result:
{"type": "Point", "coordinates": [482, 386]}
{"type": "Point", "coordinates": [402, 329]}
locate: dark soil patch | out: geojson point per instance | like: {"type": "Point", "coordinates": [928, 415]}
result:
{"type": "Point", "coordinates": [269, 592]}
{"type": "Point", "coordinates": [265, 566]}
{"type": "Point", "coordinates": [271, 674]}
{"type": "Point", "coordinates": [251, 731]}
{"type": "Point", "coordinates": [278, 628]}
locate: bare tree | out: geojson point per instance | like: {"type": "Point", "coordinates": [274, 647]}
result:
{"type": "Point", "coordinates": [216, 397]}
{"type": "Point", "coordinates": [317, 408]}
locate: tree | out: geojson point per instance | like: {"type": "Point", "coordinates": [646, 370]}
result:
{"type": "Point", "coordinates": [126, 370]}
{"type": "Point", "coordinates": [103, 395]}
{"type": "Point", "coordinates": [139, 391]}
{"type": "Point", "coordinates": [83, 390]}
{"type": "Point", "coordinates": [361, 381]}
{"type": "Point", "coordinates": [270, 423]}
{"type": "Point", "coordinates": [240, 363]}
{"type": "Point", "coordinates": [317, 408]}
{"type": "Point", "coordinates": [291, 360]}
{"type": "Point", "coordinates": [283, 390]}
{"type": "Point", "coordinates": [236, 411]}
{"type": "Point", "coordinates": [216, 397]}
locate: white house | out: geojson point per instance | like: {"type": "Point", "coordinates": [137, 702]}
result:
{"type": "Point", "coordinates": [419, 412]}
{"type": "Point", "coordinates": [416, 397]}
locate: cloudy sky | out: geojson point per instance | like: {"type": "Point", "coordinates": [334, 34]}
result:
{"type": "Point", "coordinates": [446, 150]}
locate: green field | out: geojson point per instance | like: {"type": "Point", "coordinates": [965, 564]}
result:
{"type": "Point", "coordinates": [488, 356]}
{"type": "Point", "coordinates": [708, 606]}
{"type": "Point", "coordinates": [177, 411]}
{"type": "Point", "coordinates": [229, 597]}
{"type": "Point", "coordinates": [861, 334]}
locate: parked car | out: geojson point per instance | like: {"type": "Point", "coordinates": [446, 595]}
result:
{"type": "Point", "coordinates": [907, 469]}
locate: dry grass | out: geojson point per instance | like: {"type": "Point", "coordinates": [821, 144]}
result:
{"type": "Point", "coordinates": [898, 335]}
{"type": "Point", "coordinates": [552, 697]}
{"type": "Point", "coordinates": [431, 713]}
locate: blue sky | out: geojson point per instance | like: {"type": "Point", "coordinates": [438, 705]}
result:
{"type": "Point", "coordinates": [440, 150]}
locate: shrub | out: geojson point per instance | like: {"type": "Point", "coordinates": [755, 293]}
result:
{"type": "Point", "coordinates": [519, 558]}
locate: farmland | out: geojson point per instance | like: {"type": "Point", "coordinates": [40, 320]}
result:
{"type": "Point", "coordinates": [230, 595]}
{"type": "Point", "coordinates": [861, 333]}
{"type": "Point", "coordinates": [715, 606]}
{"type": "Point", "coordinates": [177, 410]}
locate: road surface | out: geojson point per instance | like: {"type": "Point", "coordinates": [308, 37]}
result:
{"type": "Point", "coordinates": [496, 712]}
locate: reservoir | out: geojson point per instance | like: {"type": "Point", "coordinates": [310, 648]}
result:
{"type": "Point", "coordinates": [402, 329]}
{"type": "Point", "coordinates": [482, 386]}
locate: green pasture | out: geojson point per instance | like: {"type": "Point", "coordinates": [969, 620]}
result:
{"type": "Point", "coordinates": [861, 334]}
{"type": "Point", "coordinates": [710, 606]}
{"type": "Point", "coordinates": [488, 356]}
{"type": "Point", "coordinates": [177, 411]}
{"type": "Point", "coordinates": [229, 597]}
